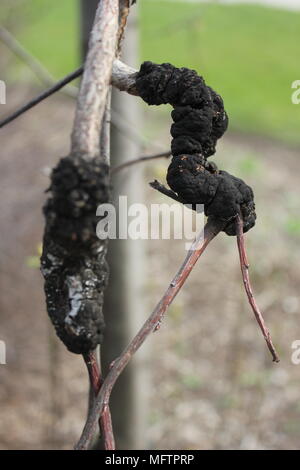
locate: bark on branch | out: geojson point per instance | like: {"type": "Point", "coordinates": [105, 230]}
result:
{"type": "Point", "coordinates": [73, 258]}
{"type": "Point", "coordinates": [212, 228]}
{"type": "Point", "coordinates": [96, 79]}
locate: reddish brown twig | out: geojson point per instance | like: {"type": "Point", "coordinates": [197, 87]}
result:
{"type": "Point", "coordinates": [248, 289]}
{"type": "Point", "coordinates": [139, 160]}
{"type": "Point", "coordinates": [211, 229]}
{"type": "Point", "coordinates": [105, 422]}
{"type": "Point", "coordinates": [93, 371]}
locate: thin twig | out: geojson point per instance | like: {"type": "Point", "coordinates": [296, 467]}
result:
{"type": "Point", "coordinates": [106, 427]}
{"type": "Point", "coordinates": [128, 129]}
{"type": "Point", "coordinates": [166, 191]}
{"type": "Point", "coordinates": [123, 78]}
{"type": "Point", "coordinates": [32, 62]}
{"type": "Point", "coordinates": [47, 79]}
{"type": "Point", "coordinates": [45, 94]}
{"type": "Point", "coordinates": [211, 229]}
{"type": "Point", "coordinates": [105, 131]}
{"type": "Point", "coordinates": [143, 158]}
{"type": "Point", "coordinates": [105, 422]}
{"type": "Point", "coordinates": [124, 6]}
{"type": "Point", "coordinates": [93, 370]}
{"type": "Point", "coordinates": [117, 121]}
{"type": "Point", "coordinates": [246, 280]}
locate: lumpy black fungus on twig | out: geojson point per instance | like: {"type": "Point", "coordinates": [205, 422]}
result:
{"type": "Point", "coordinates": [199, 120]}
{"type": "Point", "coordinates": [73, 259]}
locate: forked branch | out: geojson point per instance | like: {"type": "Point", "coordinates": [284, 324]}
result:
{"type": "Point", "coordinates": [212, 228]}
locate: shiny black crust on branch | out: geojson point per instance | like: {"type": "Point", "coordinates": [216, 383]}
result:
{"type": "Point", "coordinates": [73, 260]}
{"type": "Point", "coordinates": [199, 121]}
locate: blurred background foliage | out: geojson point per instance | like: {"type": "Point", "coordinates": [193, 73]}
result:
{"type": "Point", "coordinates": [249, 53]}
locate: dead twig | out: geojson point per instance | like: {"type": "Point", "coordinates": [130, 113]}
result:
{"type": "Point", "coordinates": [143, 158]}
{"type": "Point", "coordinates": [124, 6]}
{"type": "Point", "coordinates": [246, 280]}
{"type": "Point", "coordinates": [212, 228]}
{"type": "Point", "coordinates": [93, 371]}
{"type": "Point", "coordinates": [166, 191]}
{"type": "Point", "coordinates": [123, 78]}
{"type": "Point", "coordinates": [45, 94]}
{"type": "Point", "coordinates": [105, 422]}
{"type": "Point", "coordinates": [105, 130]}
{"type": "Point", "coordinates": [61, 86]}
{"type": "Point", "coordinates": [32, 62]}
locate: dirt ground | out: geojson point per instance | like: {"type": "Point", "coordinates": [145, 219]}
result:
{"type": "Point", "coordinates": [213, 385]}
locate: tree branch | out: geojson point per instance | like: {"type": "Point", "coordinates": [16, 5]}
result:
{"type": "Point", "coordinates": [96, 78]}
{"type": "Point", "coordinates": [211, 229]}
{"type": "Point", "coordinates": [123, 77]}
{"type": "Point", "coordinates": [143, 158]}
{"type": "Point", "coordinates": [91, 135]}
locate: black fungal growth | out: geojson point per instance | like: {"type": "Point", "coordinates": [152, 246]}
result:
{"type": "Point", "coordinates": [73, 260]}
{"type": "Point", "coordinates": [199, 121]}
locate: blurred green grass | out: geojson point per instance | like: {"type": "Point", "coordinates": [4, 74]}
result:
{"type": "Point", "coordinates": [50, 31]}
{"type": "Point", "coordinates": [248, 53]}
